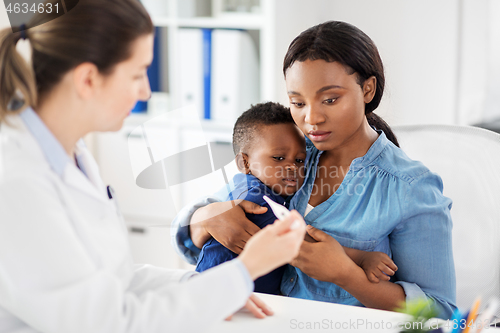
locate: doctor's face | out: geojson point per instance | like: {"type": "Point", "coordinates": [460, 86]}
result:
{"type": "Point", "coordinates": [127, 84]}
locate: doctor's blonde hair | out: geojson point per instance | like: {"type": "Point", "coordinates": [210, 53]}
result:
{"type": "Point", "coordinates": [95, 31]}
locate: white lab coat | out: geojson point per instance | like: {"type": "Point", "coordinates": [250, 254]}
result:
{"type": "Point", "coordinates": [65, 264]}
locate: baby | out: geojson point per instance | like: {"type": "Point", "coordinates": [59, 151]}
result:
{"type": "Point", "coordinates": [270, 154]}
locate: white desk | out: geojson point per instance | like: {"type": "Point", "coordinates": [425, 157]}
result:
{"type": "Point", "coordinates": [298, 315]}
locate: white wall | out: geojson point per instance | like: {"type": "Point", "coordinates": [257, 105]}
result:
{"type": "Point", "coordinates": [473, 59]}
{"type": "Point", "coordinates": [291, 18]}
{"type": "Point", "coordinates": [479, 89]}
{"type": "Point", "coordinates": [4, 19]}
{"type": "Point", "coordinates": [418, 43]}
{"type": "Point", "coordinates": [22, 46]}
{"type": "Point", "coordinates": [435, 52]}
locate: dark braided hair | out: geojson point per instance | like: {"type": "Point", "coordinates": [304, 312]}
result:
{"type": "Point", "coordinates": [262, 114]}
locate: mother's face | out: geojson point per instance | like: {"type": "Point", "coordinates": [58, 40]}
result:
{"type": "Point", "coordinates": [327, 103]}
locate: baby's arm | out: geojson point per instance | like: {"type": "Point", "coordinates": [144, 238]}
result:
{"type": "Point", "coordinates": [375, 264]}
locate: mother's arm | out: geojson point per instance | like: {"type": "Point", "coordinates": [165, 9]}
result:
{"type": "Point", "coordinates": [209, 217]}
{"type": "Point", "coordinates": [180, 232]}
{"type": "Point", "coordinates": [341, 270]}
{"type": "Point", "coordinates": [422, 243]}
{"type": "Point", "coordinates": [421, 248]}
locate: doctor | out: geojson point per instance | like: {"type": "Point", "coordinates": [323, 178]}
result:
{"type": "Point", "coordinates": [65, 264]}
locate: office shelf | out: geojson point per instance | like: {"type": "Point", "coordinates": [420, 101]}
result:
{"type": "Point", "coordinates": [245, 22]}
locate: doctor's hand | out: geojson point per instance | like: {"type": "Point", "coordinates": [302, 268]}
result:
{"type": "Point", "coordinates": [323, 260]}
{"type": "Point", "coordinates": [275, 245]}
{"type": "Point", "coordinates": [257, 307]}
{"type": "Point", "coordinates": [226, 222]}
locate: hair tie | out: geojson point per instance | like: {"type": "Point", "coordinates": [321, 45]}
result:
{"type": "Point", "coordinates": [22, 29]}
{"type": "Point", "coordinates": [16, 102]}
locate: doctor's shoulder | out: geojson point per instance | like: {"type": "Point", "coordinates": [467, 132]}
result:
{"type": "Point", "coordinates": [24, 175]}
{"type": "Point", "coordinates": [21, 161]}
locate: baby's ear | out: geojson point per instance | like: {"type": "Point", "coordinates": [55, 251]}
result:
{"type": "Point", "coordinates": [242, 163]}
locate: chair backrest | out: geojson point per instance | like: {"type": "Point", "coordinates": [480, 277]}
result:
{"type": "Point", "coordinates": [468, 160]}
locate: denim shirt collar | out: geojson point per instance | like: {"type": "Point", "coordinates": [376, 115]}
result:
{"type": "Point", "coordinates": [50, 146]}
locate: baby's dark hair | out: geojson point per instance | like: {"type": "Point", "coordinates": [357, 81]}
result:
{"type": "Point", "coordinates": [261, 114]}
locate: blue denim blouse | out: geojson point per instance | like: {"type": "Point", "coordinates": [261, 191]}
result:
{"type": "Point", "coordinates": [386, 202]}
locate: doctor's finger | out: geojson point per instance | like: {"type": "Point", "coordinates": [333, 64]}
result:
{"type": "Point", "coordinates": [260, 303]}
{"type": "Point", "coordinates": [293, 223]}
{"type": "Point", "coordinates": [292, 241]}
{"type": "Point", "coordinates": [254, 309]}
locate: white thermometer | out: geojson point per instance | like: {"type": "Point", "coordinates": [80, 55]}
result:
{"type": "Point", "coordinates": [280, 211]}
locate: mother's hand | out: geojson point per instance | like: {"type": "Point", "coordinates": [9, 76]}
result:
{"type": "Point", "coordinates": [323, 260]}
{"type": "Point", "coordinates": [226, 222]}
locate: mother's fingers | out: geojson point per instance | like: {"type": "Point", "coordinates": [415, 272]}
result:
{"type": "Point", "coordinates": [251, 207]}
{"type": "Point", "coordinates": [317, 234]}
{"type": "Point", "coordinates": [305, 249]}
{"type": "Point", "coordinates": [234, 237]}
{"type": "Point", "coordinates": [234, 243]}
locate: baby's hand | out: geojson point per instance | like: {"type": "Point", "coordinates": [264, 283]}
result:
{"type": "Point", "coordinates": [375, 264]}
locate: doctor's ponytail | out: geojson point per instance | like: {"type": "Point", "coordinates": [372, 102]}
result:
{"type": "Point", "coordinates": [17, 80]}
{"type": "Point", "coordinates": [95, 31]}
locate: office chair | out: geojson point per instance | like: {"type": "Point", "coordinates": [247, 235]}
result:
{"type": "Point", "coordinates": [468, 160]}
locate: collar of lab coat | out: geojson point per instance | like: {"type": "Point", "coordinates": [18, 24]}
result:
{"type": "Point", "coordinates": [51, 148]}
{"type": "Point", "coordinates": [92, 184]}
{"type": "Point", "coordinates": [34, 135]}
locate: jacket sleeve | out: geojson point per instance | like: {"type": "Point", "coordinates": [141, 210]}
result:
{"type": "Point", "coordinates": [421, 245]}
{"type": "Point", "coordinates": [49, 281]}
{"type": "Point", "coordinates": [180, 230]}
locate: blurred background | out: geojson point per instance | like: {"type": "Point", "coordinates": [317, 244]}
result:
{"type": "Point", "coordinates": [213, 58]}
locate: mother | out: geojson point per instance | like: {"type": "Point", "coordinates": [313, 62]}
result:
{"type": "Point", "coordinates": [361, 190]}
